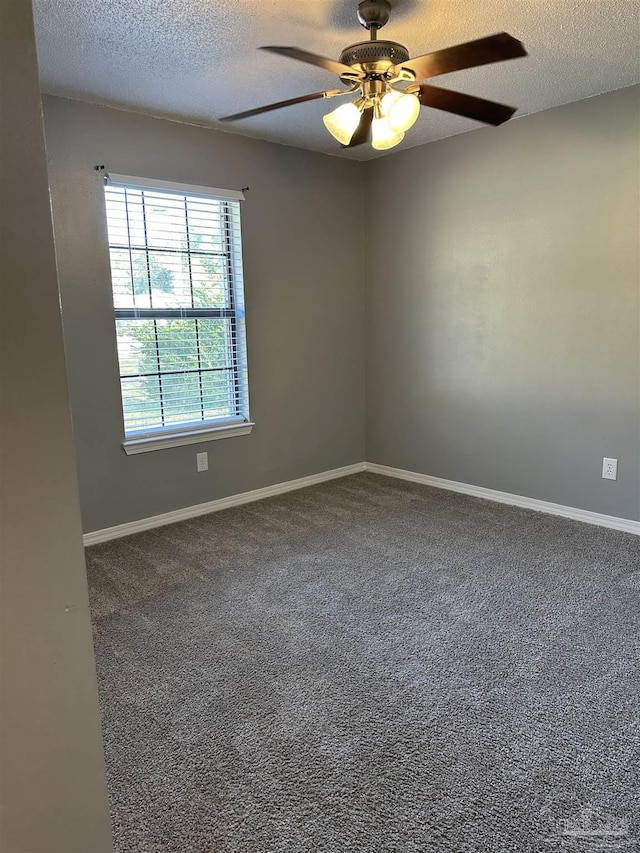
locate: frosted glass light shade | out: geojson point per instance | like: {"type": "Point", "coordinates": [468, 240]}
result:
{"type": "Point", "coordinates": [341, 123]}
{"type": "Point", "coordinates": [383, 136]}
{"type": "Point", "coordinates": [401, 109]}
{"type": "Point", "coordinates": [388, 100]}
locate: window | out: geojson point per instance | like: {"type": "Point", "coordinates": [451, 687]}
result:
{"type": "Point", "coordinates": [176, 269]}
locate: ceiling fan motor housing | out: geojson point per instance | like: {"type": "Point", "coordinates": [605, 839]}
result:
{"type": "Point", "coordinates": [374, 57]}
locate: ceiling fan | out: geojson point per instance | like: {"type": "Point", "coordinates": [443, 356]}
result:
{"type": "Point", "coordinates": [387, 81]}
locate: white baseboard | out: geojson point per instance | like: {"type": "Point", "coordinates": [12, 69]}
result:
{"type": "Point", "coordinates": [214, 506]}
{"type": "Point", "coordinates": [626, 524]}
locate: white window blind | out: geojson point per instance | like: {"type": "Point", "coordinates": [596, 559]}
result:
{"type": "Point", "coordinates": [176, 267]}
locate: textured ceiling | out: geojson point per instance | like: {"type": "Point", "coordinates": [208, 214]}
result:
{"type": "Point", "coordinates": [196, 60]}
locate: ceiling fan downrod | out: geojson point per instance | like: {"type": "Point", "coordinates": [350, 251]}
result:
{"type": "Point", "coordinates": [374, 14]}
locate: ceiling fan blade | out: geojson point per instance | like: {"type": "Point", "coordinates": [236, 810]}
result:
{"type": "Point", "coordinates": [468, 55]}
{"type": "Point", "coordinates": [362, 131]}
{"type": "Point", "coordinates": [277, 106]}
{"type": "Point", "coordinates": [469, 106]}
{"type": "Point", "coordinates": [313, 59]}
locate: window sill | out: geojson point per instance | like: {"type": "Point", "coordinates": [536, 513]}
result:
{"type": "Point", "coordinates": [145, 444]}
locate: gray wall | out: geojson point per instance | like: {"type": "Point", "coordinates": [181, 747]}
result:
{"type": "Point", "coordinates": [502, 306]}
{"type": "Point", "coordinates": [302, 237]}
{"type": "Point", "coordinates": [53, 791]}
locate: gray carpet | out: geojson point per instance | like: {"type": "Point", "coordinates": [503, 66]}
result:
{"type": "Point", "coordinates": [370, 665]}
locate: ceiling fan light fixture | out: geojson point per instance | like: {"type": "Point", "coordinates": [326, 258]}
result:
{"type": "Point", "coordinates": [401, 109]}
{"type": "Point", "coordinates": [373, 68]}
{"type": "Point", "coordinates": [383, 136]}
{"type": "Point", "coordinates": [342, 123]}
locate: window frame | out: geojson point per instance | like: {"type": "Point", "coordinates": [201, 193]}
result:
{"type": "Point", "coordinates": [174, 435]}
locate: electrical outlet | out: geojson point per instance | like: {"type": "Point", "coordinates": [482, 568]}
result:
{"type": "Point", "coordinates": [202, 462]}
{"type": "Point", "coordinates": [609, 469]}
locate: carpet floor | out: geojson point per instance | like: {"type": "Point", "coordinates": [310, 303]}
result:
{"type": "Point", "coordinates": [370, 665]}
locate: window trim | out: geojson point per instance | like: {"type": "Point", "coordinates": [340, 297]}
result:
{"type": "Point", "coordinates": [173, 187]}
{"type": "Point", "coordinates": [145, 441]}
